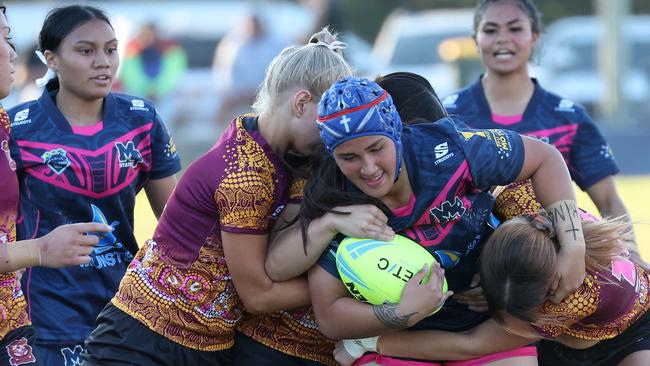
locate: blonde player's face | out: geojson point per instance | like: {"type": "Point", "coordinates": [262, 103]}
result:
{"type": "Point", "coordinates": [369, 163]}
{"type": "Point", "coordinates": [7, 58]}
{"type": "Point", "coordinates": [505, 39]}
{"type": "Point", "coordinates": [86, 61]}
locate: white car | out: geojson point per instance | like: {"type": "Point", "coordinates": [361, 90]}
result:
{"type": "Point", "coordinates": [419, 42]}
{"type": "Point", "coordinates": [569, 61]}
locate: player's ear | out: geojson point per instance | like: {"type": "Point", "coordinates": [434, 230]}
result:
{"type": "Point", "coordinates": [299, 102]}
{"type": "Point", "coordinates": [51, 59]}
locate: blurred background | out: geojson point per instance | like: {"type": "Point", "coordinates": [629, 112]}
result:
{"type": "Point", "coordinates": [201, 62]}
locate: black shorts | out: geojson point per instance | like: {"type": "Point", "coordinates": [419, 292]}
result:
{"type": "Point", "coordinates": [604, 353]}
{"type": "Point", "coordinates": [121, 340]}
{"type": "Point", "coordinates": [17, 348]}
{"type": "Point", "coordinates": [248, 352]}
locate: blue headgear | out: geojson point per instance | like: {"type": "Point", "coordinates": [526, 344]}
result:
{"type": "Point", "coordinates": [356, 107]}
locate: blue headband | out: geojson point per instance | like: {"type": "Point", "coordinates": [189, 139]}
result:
{"type": "Point", "coordinates": [356, 107]}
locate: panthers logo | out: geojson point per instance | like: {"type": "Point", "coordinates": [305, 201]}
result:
{"type": "Point", "coordinates": [57, 160]}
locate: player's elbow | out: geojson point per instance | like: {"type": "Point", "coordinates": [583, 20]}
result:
{"type": "Point", "coordinates": [274, 269]}
{"type": "Point", "coordinates": [256, 300]}
{"type": "Point", "coordinates": [330, 330]}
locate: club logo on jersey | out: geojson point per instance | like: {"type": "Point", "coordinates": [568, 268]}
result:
{"type": "Point", "coordinates": [56, 159]}
{"type": "Point", "coordinates": [129, 156]}
{"type": "Point", "coordinates": [20, 352]}
{"type": "Point", "coordinates": [448, 211]}
{"type": "Point", "coordinates": [20, 118]}
{"type": "Point", "coordinates": [442, 153]}
{"type": "Point", "coordinates": [72, 357]}
{"type": "Point", "coordinates": [107, 241]}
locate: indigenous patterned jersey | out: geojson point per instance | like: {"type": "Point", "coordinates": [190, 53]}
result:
{"type": "Point", "coordinates": [450, 170]}
{"type": "Point", "coordinates": [66, 177]}
{"type": "Point", "coordinates": [13, 312]}
{"type": "Point", "coordinates": [178, 285]}
{"type": "Point", "coordinates": [606, 304]}
{"type": "Point", "coordinates": [549, 118]}
{"type": "Point", "coordinates": [294, 332]}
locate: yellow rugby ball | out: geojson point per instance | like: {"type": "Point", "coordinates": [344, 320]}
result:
{"type": "Point", "coordinates": [376, 271]}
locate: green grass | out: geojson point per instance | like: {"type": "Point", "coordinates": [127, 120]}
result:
{"type": "Point", "coordinates": [635, 191]}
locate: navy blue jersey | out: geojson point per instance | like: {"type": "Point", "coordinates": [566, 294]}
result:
{"type": "Point", "coordinates": [551, 119]}
{"type": "Point", "coordinates": [67, 178]}
{"type": "Point", "coordinates": [450, 170]}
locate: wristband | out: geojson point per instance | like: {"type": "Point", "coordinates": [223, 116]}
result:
{"type": "Point", "coordinates": [357, 347]}
{"type": "Point", "coordinates": [23, 254]}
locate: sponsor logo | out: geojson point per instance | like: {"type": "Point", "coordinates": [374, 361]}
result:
{"type": "Point", "coordinates": [448, 211]}
{"type": "Point", "coordinates": [57, 160]}
{"type": "Point", "coordinates": [565, 105]}
{"type": "Point", "coordinates": [108, 252]}
{"type": "Point", "coordinates": [138, 105]}
{"type": "Point", "coordinates": [20, 352]}
{"type": "Point", "coordinates": [450, 101]}
{"type": "Point", "coordinates": [499, 137]}
{"type": "Point", "coordinates": [129, 156]}
{"type": "Point", "coordinates": [20, 118]}
{"type": "Point", "coordinates": [72, 357]}
{"type": "Point", "coordinates": [442, 153]}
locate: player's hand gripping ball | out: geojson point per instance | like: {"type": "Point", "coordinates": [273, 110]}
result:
{"type": "Point", "coordinates": [376, 271]}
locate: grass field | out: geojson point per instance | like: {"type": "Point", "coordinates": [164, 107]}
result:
{"type": "Point", "coordinates": [635, 191]}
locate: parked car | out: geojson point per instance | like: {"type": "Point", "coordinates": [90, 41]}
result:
{"type": "Point", "coordinates": [569, 61]}
{"type": "Point", "coordinates": [434, 43]}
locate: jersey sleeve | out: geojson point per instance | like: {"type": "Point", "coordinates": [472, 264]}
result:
{"type": "Point", "coordinates": [245, 200]}
{"type": "Point", "coordinates": [591, 159]}
{"type": "Point", "coordinates": [577, 306]}
{"type": "Point", "coordinates": [165, 159]}
{"type": "Point", "coordinates": [327, 260]}
{"type": "Point", "coordinates": [495, 157]}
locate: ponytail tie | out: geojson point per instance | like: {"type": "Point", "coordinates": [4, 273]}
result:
{"type": "Point", "coordinates": [49, 75]}
{"type": "Point", "coordinates": [334, 46]}
{"type": "Point", "coordinates": [542, 222]}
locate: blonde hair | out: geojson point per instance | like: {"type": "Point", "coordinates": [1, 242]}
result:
{"type": "Point", "coordinates": [314, 66]}
{"type": "Point", "coordinates": [518, 262]}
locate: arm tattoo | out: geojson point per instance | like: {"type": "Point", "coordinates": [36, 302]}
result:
{"type": "Point", "coordinates": [564, 212]}
{"type": "Point", "coordinates": [387, 314]}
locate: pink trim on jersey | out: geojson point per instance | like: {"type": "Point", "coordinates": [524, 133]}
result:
{"type": "Point", "coordinates": [407, 209]}
{"type": "Point", "coordinates": [43, 173]}
{"type": "Point", "coordinates": [88, 130]}
{"type": "Point", "coordinates": [461, 177]}
{"type": "Point", "coordinates": [527, 351]}
{"type": "Point", "coordinates": [506, 120]}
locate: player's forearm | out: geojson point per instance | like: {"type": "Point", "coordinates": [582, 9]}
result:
{"type": "Point", "coordinates": [485, 339]}
{"type": "Point", "coordinates": [278, 296]}
{"type": "Point", "coordinates": [288, 257]}
{"type": "Point", "coordinates": [347, 318]}
{"type": "Point", "coordinates": [19, 255]}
